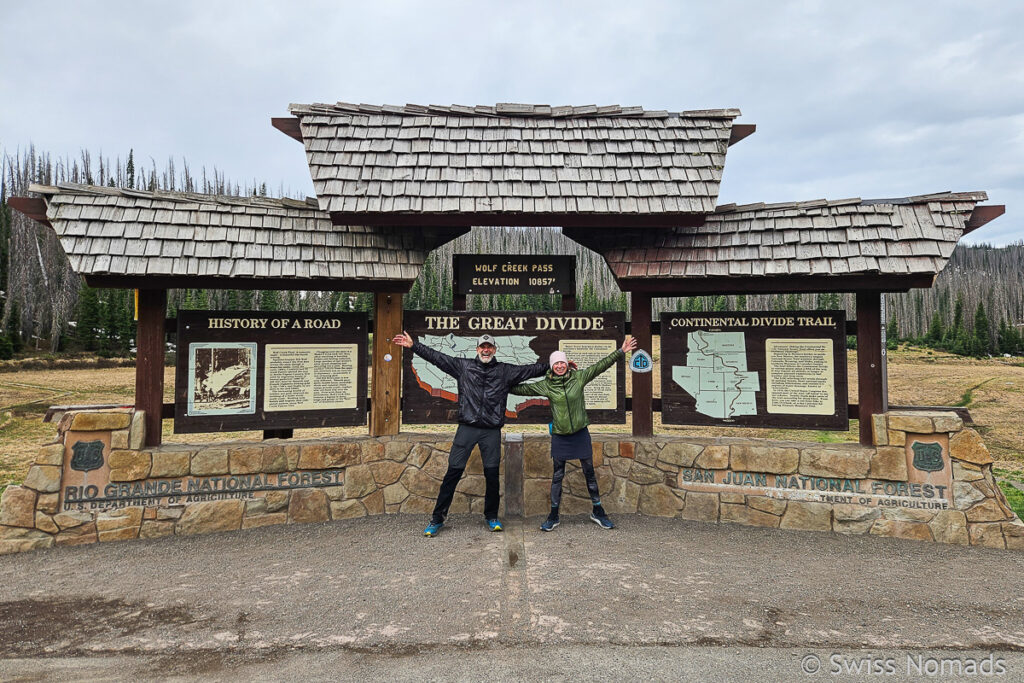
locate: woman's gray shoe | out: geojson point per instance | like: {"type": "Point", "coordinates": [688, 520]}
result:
{"type": "Point", "coordinates": [600, 518]}
{"type": "Point", "coordinates": [549, 524]}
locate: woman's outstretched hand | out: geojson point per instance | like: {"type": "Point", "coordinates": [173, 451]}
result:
{"type": "Point", "coordinates": [403, 340]}
{"type": "Point", "coordinates": [629, 344]}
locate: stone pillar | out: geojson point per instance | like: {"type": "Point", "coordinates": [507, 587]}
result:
{"type": "Point", "coordinates": [514, 475]}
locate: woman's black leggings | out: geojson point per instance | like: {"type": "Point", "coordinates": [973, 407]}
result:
{"type": "Point", "coordinates": [588, 471]}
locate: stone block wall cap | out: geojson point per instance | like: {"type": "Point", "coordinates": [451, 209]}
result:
{"type": "Point", "coordinates": [921, 413]}
{"type": "Point", "coordinates": [515, 436]}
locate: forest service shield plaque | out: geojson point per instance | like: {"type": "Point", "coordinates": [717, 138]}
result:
{"type": "Point", "coordinates": [927, 456]}
{"type": "Point", "coordinates": [87, 456]}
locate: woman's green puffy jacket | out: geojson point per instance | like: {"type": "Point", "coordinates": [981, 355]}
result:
{"type": "Point", "coordinates": [568, 410]}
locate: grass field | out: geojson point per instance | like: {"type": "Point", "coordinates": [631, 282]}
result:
{"type": "Point", "coordinates": [992, 389]}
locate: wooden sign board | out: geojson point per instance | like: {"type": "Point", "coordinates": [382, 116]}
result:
{"type": "Point", "coordinates": [509, 274]}
{"type": "Point", "coordinates": [430, 396]}
{"type": "Point", "coordinates": [784, 369]}
{"type": "Point", "coordinates": [240, 370]}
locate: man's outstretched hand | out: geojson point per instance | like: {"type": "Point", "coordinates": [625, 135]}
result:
{"type": "Point", "coordinates": [403, 340]}
{"type": "Point", "coordinates": [629, 344]}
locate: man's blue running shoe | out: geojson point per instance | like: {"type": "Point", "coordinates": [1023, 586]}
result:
{"type": "Point", "coordinates": [549, 524]}
{"type": "Point", "coordinates": [494, 524]}
{"type": "Point", "coordinates": [432, 529]}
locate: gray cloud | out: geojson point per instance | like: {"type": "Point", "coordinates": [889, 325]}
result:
{"type": "Point", "coordinates": [865, 99]}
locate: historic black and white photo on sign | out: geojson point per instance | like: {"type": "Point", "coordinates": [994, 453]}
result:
{"type": "Point", "coordinates": [222, 378]}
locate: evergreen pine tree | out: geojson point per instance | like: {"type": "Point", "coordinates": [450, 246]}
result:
{"type": "Point", "coordinates": [935, 331]}
{"type": "Point", "coordinates": [982, 336]}
{"type": "Point", "coordinates": [270, 300]}
{"type": "Point", "coordinates": [14, 328]}
{"type": "Point", "coordinates": [892, 334]}
{"type": "Point", "coordinates": [129, 170]}
{"type": "Point", "coordinates": [87, 318]}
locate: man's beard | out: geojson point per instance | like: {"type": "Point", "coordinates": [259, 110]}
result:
{"type": "Point", "coordinates": [485, 359]}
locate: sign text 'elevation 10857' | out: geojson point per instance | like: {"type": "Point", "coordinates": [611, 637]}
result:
{"type": "Point", "coordinates": [782, 369]}
{"type": "Point", "coordinates": [506, 274]}
{"type": "Point", "coordinates": [261, 370]}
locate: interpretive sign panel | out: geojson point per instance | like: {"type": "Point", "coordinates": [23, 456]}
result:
{"type": "Point", "coordinates": [783, 369]}
{"type": "Point", "coordinates": [509, 274]}
{"type": "Point", "coordinates": [261, 370]}
{"type": "Point", "coordinates": [523, 338]}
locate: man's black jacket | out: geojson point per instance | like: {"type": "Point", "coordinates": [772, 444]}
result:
{"type": "Point", "coordinates": [483, 387]}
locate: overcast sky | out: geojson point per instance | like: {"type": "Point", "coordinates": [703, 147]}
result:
{"type": "Point", "coordinates": [851, 99]}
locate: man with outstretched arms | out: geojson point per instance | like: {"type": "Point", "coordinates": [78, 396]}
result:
{"type": "Point", "coordinates": [483, 385]}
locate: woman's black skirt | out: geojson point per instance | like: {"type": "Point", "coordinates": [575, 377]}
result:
{"type": "Point", "coordinates": [572, 447]}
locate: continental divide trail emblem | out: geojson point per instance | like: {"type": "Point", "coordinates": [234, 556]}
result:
{"type": "Point", "coordinates": [641, 361]}
{"type": "Point", "coordinates": [927, 456]}
{"type": "Point", "coordinates": [86, 456]}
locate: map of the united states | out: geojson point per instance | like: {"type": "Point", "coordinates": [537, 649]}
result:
{"type": "Point", "coordinates": [716, 374]}
{"type": "Point", "coordinates": [512, 349]}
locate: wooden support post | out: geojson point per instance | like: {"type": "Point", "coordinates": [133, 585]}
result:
{"type": "Point", "coordinates": [386, 406]}
{"type": "Point", "coordinates": [643, 383]}
{"type": "Point", "coordinates": [149, 361]}
{"type": "Point", "coordinates": [871, 397]}
{"type": "Point", "coordinates": [568, 302]}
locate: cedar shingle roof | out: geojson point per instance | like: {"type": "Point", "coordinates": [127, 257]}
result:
{"type": "Point", "coordinates": [514, 159]}
{"type": "Point", "coordinates": [915, 235]}
{"type": "Point", "coordinates": [108, 231]}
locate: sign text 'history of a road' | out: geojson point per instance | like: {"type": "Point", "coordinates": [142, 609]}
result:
{"type": "Point", "coordinates": [782, 369]}
{"type": "Point", "coordinates": [523, 338]}
{"type": "Point", "coordinates": [260, 370]}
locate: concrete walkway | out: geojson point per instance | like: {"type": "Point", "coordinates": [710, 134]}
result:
{"type": "Point", "coordinates": [646, 600]}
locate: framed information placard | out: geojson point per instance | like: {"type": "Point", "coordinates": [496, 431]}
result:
{"type": "Point", "coordinates": [784, 369]}
{"type": "Point", "coordinates": [514, 274]}
{"type": "Point", "coordinates": [260, 370]}
{"type": "Point", "coordinates": [523, 338]}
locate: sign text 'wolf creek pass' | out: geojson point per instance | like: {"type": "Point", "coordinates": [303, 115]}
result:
{"type": "Point", "coordinates": [523, 338]}
{"type": "Point", "coordinates": [260, 370]}
{"type": "Point", "coordinates": [515, 274]}
{"type": "Point", "coordinates": [755, 369]}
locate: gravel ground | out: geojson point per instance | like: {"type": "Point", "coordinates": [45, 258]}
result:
{"type": "Point", "coordinates": [653, 599]}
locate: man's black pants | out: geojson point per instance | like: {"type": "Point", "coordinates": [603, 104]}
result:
{"type": "Point", "coordinates": [490, 452]}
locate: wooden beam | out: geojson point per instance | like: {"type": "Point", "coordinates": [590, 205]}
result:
{"type": "Point", "coordinates": [643, 383]}
{"type": "Point", "coordinates": [982, 215]}
{"type": "Point", "coordinates": [149, 361]}
{"type": "Point", "coordinates": [767, 284]}
{"type": "Point", "coordinates": [612, 221]}
{"type": "Point", "coordinates": [741, 131]}
{"type": "Point", "coordinates": [207, 282]}
{"type": "Point", "coordinates": [870, 385]}
{"type": "Point", "coordinates": [386, 409]}
{"type": "Point", "coordinates": [33, 207]}
{"type": "Point", "coordinates": [289, 125]}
